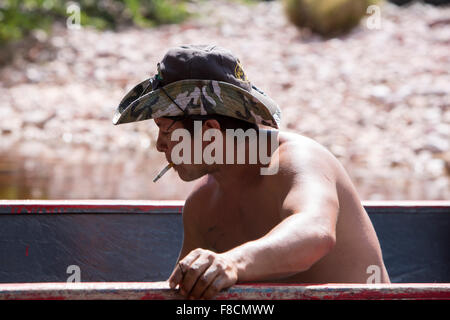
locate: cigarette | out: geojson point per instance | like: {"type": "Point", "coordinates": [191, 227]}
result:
{"type": "Point", "coordinates": [163, 172]}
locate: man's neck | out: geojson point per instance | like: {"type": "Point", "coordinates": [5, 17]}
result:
{"type": "Point", "coordinates": [235, 177]}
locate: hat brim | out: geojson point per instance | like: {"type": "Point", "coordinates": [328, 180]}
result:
{"type": "Point", "coordinates": [197, 97]}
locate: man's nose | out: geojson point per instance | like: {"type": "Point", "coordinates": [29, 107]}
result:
{"type": "Point", "coordinates": [161, 144]}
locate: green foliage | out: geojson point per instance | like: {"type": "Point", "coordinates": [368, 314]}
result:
{"type": "Point", "coordinates": [327, 17]}
{"type": "Point", "coordinates": [18, 18]}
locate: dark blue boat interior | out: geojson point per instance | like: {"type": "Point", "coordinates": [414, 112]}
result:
{"type": "Point", "coordinates": [132, 247]}
{"type": "Point", "coordinates": [415, 243]}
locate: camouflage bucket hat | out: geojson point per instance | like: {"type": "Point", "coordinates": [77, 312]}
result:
{"type": "Point", "coordinates": [198, 80]}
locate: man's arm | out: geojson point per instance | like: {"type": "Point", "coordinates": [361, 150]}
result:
{"type": "Point", "coordinates": [303, 237]}
{"type": "Point", "coordinates": [192, 238]}
{"type": "Point", "coordinates": [294, 245]}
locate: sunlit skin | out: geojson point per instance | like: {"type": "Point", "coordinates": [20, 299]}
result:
{"type": "Point", "coordinates": [304, 224]}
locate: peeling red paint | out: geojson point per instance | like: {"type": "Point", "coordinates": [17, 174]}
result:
{"type": "Point", "coordinates": [54, 207]}
{"type": "Point", "coordinates": [46, 298]}
{"type": "Point", "coordinates": [153, 296]}
{"type": "Point", "coordinates": [149, 206]}
{"type": "Point", "coordinates": [161, 291]}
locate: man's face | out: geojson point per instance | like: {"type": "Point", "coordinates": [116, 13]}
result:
{"type": "Point", "coordinates": [164, 144]}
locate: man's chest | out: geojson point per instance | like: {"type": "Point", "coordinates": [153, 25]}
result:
{"type": "Point", "coordinates": [232, 223]}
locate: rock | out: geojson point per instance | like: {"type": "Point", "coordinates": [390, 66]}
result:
{"type": "Point", "coordinates": [326, 17]}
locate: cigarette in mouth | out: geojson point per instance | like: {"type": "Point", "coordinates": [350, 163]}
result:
{"type": "Point", "coordinates": [163, 172]}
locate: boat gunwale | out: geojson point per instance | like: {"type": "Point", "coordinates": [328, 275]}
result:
{"type": "Point", "coordinates": [40, 207]}
{"type": "Point", "coordinates": [160, 290]}
{"type": "Point", "coordinates": [245, 291]}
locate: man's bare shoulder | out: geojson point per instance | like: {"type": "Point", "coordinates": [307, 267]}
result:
{"type": "Point", "coordinates": [298, 153]}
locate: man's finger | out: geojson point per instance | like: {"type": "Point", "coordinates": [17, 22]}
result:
{"type": "Point", "coordinates": [216, 285]}
{"type": "Point", "coordinates": [177, 276]}
{"type": "Point", "coordinates": [180, 269]}
{"type": "Point", "coordinates": [204, 281]}
{"type": "Point", "coordinates": [195, 271]}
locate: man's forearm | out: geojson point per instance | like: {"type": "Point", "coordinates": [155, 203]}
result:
{"type": "Point", "coordinates": [289, 248]}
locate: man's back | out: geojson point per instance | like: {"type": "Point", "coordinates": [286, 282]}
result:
{"type": "Point", "coordinates": [219, 218]}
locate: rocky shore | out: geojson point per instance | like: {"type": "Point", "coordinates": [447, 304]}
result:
{"type": "Point", "coordinates": [378, 99]}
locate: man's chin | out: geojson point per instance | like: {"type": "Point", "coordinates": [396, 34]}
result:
{"type": "Point", "coordinates": [188, 174]}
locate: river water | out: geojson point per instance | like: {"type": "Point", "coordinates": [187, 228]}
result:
{"type": "Point", "coordinates": [25, 178]}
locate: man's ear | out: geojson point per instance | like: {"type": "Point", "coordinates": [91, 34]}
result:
{"type": "Point", "coordinates": [211, 124]}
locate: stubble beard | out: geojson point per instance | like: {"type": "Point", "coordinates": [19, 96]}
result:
{"type": "Point", "coordinates": [193, 172]}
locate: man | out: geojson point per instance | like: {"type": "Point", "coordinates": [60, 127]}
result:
{"type": "Point", "coordinates": [299, 222]}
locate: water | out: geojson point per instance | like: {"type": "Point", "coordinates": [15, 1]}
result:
{"type": "Point", "coordinates": [130, 176]}
{"type": "Point", "coordinates": [16, 182]}
{"type": "Point", "coordinates": [95, 178]}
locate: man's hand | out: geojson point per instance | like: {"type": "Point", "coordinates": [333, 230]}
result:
{"type": "Point", "coordinates": [203, 273]}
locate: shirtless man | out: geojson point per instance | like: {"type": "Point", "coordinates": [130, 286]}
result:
{"type": "Point", "coordinates": [302, 224]}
